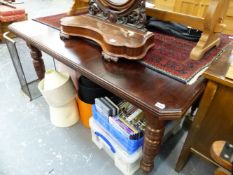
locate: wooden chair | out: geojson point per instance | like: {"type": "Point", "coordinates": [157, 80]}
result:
{"type": "Point", "coordinates": [211, 25]}
{"type": "Point", "coordinates": [215, 152]}
{"type": "Point", "coordinates": [78, 6]}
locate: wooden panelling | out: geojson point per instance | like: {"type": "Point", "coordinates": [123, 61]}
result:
{"type": "Point", "coordinates": [189, 7]}
{"type": "Point", "coordinates": [192, 7]}
{"type": "Point", "coordinates": [229, 19]}
{"type": "Point", "coordinates": [202, 8]}
{"type": "Point", "coordinates": [165, 4]}
{"type": "Point", "coordinates": [195, 8]}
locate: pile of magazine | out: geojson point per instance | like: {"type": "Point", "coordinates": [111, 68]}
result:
{"type": "Point", "coordinates": [122, 115]}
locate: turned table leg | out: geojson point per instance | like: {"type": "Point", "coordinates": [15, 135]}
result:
{"type": "Point", "coordinates": [152, 141]}
{"type": "Point", "coordinates": [37, 60]}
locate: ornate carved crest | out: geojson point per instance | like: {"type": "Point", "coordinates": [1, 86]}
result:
{"type": "Point", "coordinates": [131, 12]}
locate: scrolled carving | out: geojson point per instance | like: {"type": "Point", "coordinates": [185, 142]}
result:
{"type": "Point", "coordinates": [137, 18]}
{"type": "Point", "coordinates": [93, 8]}
{"type": "Point", "coordinates": [112, 17]}
{"type": "Point", "coordinates": [131, 13]}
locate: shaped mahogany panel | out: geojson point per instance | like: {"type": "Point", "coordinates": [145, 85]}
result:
{"type": "Point", "coordinates": [116, 40]}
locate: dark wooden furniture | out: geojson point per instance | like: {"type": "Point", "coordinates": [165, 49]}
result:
{"type": "Point", "coordinates": [118, 26]}
{"type": "Point", "coordinates": [129, 80]}
{"type": "Point", "coordinates": [115, 40]}
{"type": "Point", "coordinates": [214, 119]}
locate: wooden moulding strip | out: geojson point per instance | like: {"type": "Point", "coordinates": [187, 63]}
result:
{"type": "Point", "coordinates": [188, 20]}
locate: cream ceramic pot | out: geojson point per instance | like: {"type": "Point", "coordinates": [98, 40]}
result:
{"type": "Point", "coordinates": [59, 92]}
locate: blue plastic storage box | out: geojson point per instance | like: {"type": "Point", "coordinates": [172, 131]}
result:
{"type": "Point", "coordinates": [129, 145]}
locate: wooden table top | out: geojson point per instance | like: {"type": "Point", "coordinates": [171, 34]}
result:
{"type": "Point", "coordinates": [127, 79]}
{"type": "Point", "coordinates": [218, 69]}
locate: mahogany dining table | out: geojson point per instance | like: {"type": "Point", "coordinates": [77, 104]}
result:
{"type": "Point", "coordinates": [160, 97]}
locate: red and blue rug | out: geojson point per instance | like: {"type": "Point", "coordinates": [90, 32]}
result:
{"type": "Point", "coordinates": [169, 56]}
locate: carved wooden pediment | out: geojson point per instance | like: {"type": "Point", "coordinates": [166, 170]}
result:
{"type": "Point", "coordinates": [118, 26]}
{"type": "Point", "coordinates": [131, 12]}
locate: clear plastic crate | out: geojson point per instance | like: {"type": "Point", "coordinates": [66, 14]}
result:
{"type": "Point", "coordinates": [128, 164]}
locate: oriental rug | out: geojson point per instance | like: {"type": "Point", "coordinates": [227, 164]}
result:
{"type": "Point", "coordinates": [169, 56]}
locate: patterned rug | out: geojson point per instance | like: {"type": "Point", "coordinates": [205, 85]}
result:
{"type": "Point", "coordinates": [169, 56]}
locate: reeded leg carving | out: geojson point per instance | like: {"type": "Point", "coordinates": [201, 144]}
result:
{"type": "Point", "coordinates": [37, 60]}
{"type": "Point", "coordinates": [152, 141]}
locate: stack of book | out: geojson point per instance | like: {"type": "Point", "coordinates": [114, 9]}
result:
{"type": "Point", "coordinates": [123, 116]}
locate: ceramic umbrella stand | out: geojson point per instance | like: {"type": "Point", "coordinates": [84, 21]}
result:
{"type": "Point", "coordinates": [59, 92]}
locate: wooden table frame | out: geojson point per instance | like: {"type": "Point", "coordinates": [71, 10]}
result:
{"type": "Point", "coordinates": [129, 80]}
{"type": "Point", "coordinates": [213, 120]}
